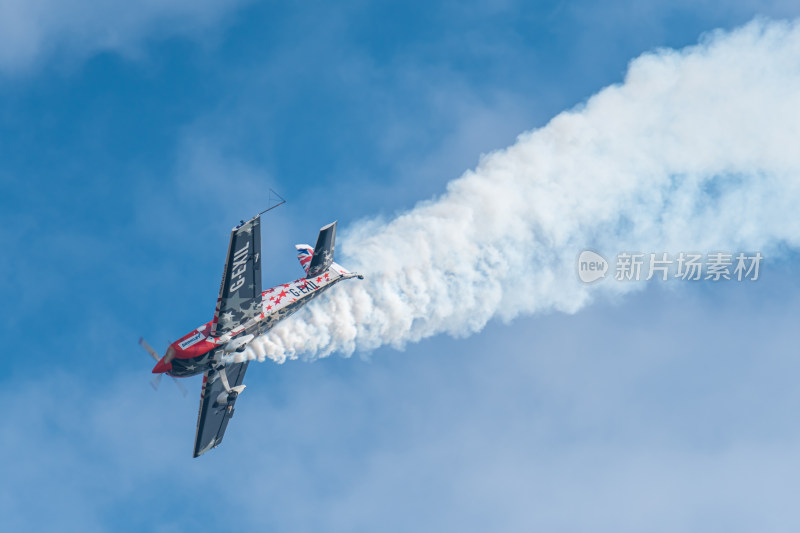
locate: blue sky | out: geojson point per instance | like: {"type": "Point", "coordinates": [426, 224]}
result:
{"type": "Point", "coordinates": [131, 139]}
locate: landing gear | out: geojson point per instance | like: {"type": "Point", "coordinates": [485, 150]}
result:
{"type": "Point", "coordinates": [227, 397]}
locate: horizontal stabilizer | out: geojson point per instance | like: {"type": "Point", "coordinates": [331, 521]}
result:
{"type": "Point", "coordinates": [304, 255]}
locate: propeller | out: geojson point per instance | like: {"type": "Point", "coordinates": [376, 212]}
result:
{"type": "Point", "coordinates": [169, 356]}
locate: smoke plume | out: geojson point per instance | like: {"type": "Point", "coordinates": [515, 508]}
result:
{"type": "Point", "coordinates": [696, 150]}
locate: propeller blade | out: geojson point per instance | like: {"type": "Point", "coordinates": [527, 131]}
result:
{"type": "Point", "coordinates": [156, 381]}
{"type": "Point", "coordinates": [149, 349]}
{"type": "Point", "coordinates": [181, 388]}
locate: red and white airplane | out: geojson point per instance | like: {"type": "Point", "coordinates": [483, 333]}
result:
{"type": "Point", "coordinates": [243, 312]}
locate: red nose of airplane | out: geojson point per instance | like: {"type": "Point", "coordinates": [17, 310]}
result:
{"type": "Point", "coordinates": [162, 367]}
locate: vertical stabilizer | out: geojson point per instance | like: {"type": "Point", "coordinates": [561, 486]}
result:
{"type": "Point", "coordinates": [323, 251]}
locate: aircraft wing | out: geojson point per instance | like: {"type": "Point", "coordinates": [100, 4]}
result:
{"type": "Point", "coordinates": [240, 291]}
{"type": "Point", "coordinates": [212, 420]}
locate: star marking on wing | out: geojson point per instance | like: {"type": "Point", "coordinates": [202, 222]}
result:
{"type": "Point", "coordinates": [235, 302]}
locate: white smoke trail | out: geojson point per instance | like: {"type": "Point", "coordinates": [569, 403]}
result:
{"type": "Point", "coordinates": [696, 150]}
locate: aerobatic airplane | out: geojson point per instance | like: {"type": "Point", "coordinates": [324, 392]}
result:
{"type": "Point", "coordinates": [243, 312]}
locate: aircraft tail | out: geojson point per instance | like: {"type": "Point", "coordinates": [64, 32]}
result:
{"type": "Point", "coordinates": [322, 258]}
{"type": "Point", "coordinates": [316, 261]}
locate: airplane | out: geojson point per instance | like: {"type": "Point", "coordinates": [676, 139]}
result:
{"type": "Point", "coordinates": [243, 312]}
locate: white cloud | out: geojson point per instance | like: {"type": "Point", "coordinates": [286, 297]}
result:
{"type": "Point", "coordinates": [32, 30]}
{"type": "Point", "coordinates": [694, 151]}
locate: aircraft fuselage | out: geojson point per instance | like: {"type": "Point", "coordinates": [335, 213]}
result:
{"type": "Point", "coordinates": [197, 351]}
